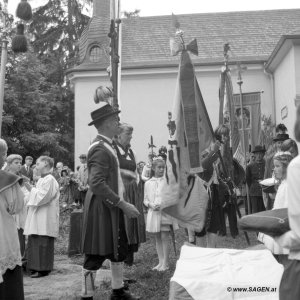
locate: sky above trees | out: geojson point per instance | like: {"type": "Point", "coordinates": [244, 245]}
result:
{"type": "Point", "coordinates": [166, 7]}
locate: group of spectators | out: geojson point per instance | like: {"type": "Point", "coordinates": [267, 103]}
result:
{"type": "Point", "coordinates": [31, 197]}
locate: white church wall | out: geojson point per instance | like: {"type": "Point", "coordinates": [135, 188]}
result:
{"type": "Point", "coordinates": [147, 99]}
{"type": "Point", "coordinates": [147, 96]}
{"type": "Point", "coordinates": [84, 89]}
{"type": "Point", "coordinates": [285, 91]}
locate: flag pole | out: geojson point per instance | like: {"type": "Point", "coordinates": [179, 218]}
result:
{"type": "Point", "coordinates": [3, 65]}
{"type": "Point", "coordinates": [240, 82]}
{"type": "Point", "coordinates": [114, 35]}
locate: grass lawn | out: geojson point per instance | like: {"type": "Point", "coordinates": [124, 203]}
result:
{"type": "Point", "coordinates": [150, 284]}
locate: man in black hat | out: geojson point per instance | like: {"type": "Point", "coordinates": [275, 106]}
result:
{"type": "Point", "coordinates": [254, 173]}
{"type": "Point", "coordinates": [104, 236]}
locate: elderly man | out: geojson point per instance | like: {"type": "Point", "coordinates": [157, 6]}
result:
{"type": "Point", "coordinates": [104, 235]}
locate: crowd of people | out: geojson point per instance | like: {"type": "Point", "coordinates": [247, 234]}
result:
{"type": "Point", "coordinates": [121, 199]}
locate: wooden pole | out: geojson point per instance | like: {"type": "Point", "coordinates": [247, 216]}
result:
{"type": "Point", "coordinates": [240, 82]}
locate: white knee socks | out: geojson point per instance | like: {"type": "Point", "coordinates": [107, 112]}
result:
{"type": "Point", "coordinates": [117, 269]}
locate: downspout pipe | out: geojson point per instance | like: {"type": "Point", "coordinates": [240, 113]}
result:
{"type": "Point", "coordinates": [271, 76]}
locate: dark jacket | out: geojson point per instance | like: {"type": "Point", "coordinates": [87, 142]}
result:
{"type": "Point", "coordinates": [101, 214]}
{"type": "Point", "coordinates": [254, 173]}
{"type": "Point", "coordinates": [28, 174]}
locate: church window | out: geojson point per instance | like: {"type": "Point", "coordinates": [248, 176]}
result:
{"type": "Point", "coordinates": [95, 54]}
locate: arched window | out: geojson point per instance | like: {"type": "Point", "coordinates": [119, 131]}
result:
{"type": "Point", "coordinates": [95, 54]}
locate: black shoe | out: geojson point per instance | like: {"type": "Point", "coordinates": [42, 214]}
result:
{"type": "Point", "coordinates": [129, 280]}
{"type": "Point", "coordinates": [122, 294]}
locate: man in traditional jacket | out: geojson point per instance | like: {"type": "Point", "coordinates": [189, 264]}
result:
{"type": "Point", "coordinates": [254, 174]}
{"type": "Point", "coordinates": [104, 235]}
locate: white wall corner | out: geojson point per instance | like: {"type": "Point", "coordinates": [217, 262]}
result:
{"type": "Point", "coordinates": [297, 100]}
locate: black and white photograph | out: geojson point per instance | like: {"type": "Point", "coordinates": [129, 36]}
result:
{"type": "Point", "coordinates": [149, 150]}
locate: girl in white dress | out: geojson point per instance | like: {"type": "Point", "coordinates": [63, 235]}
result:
{"type": "Point", "coordinates": [281, 162]}
{"type": "Point", "coordinates": [157, 221]}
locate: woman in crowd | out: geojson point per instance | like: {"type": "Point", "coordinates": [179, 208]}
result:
{"type": "Point", "coordinates": [11, 202]}
{"type": "Point", "coordinates": [14, 163]}
{"type": "Point", "coordinates": [290, 146]}
{"type": "Point", "coordinates": [65, 189]}
{"type": "Point", "coordinates": [135, 227]}
{"type": "Point", "coordinates": [281, 162]}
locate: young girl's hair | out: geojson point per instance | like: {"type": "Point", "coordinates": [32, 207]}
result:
{"type": "Point", "coordinates": [156, 161]}
{"type": "Point", "coordinates": [48, 160]}
{"type": "Point", "coordinates": [284, 158]}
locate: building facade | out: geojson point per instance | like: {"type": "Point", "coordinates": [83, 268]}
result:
{"type": "Point", "coordinates": [262, 41]}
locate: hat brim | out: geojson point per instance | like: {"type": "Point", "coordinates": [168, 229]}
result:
{"type": "Point", "coordinates": [277, 140]}
{"type": "Point", "coordinates": [104, 117]}
{"type": "Point", "coordinates": [256, 151]}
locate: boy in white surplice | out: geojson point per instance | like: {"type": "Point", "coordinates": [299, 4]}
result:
{"type": "Point", "coordinates": [42, 221]}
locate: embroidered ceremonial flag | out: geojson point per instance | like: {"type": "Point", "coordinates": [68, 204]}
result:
{"type": "Point", "coordinates": [228, 117]}
{"type": "Point", "coordinates": [190, 134]}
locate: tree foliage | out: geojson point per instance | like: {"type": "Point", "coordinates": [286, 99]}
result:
{"type": "Point", "coordinates": [38, 104]}
{"type": "Point", "coordinates": [37, 117]}
{"type": "Point", "coordinates": [131, 14]}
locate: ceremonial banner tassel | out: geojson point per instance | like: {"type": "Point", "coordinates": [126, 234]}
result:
{"type": "Point", "coordinates": [184, 195]}
{"type": "Point", "coordinates": [24, 11]}
{"type": "Point", "coordinates": [19, 42]}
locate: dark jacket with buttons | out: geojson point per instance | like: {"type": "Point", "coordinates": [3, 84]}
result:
{"type": "Point", "coordinates": [254, 173]}
{"type": "Point", "coordinates": [101, 214]}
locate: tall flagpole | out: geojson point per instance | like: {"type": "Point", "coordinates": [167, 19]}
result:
{"type": "Point", "coordinates": [114, 36]}
{"type": "Point", "coordinates": [240, 82]}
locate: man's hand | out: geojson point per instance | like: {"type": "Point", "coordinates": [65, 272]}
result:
{"type": "Point", "coordinates": [156, 207]}
{"type": "Point", "coordinates": [129, 210]}
{"type": "Point", "coordinates": [28, 186]}
{"type": "Point", "coordinates": [216, 146]}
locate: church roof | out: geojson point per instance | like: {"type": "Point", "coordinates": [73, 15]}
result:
{"type": "Point", "coordinates": [252, 35]}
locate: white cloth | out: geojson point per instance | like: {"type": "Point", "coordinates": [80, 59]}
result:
{"type": "Point", "coordinates": [11, 202]}
{"type": "Point", "coordinates": [280, 202]}
{"type": "Point", "coordinates": [291, 239]}
{"type": "Point", "coordinates": [152, 196]}
{"type": "Point", "coordinates": [20, 218]}
{"type": "Point", "coordinates": [207, 273]}
{"type": "Point", "coordinates": [43, 208]}
{"type": "Point", "coordinates": [146, 173]}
